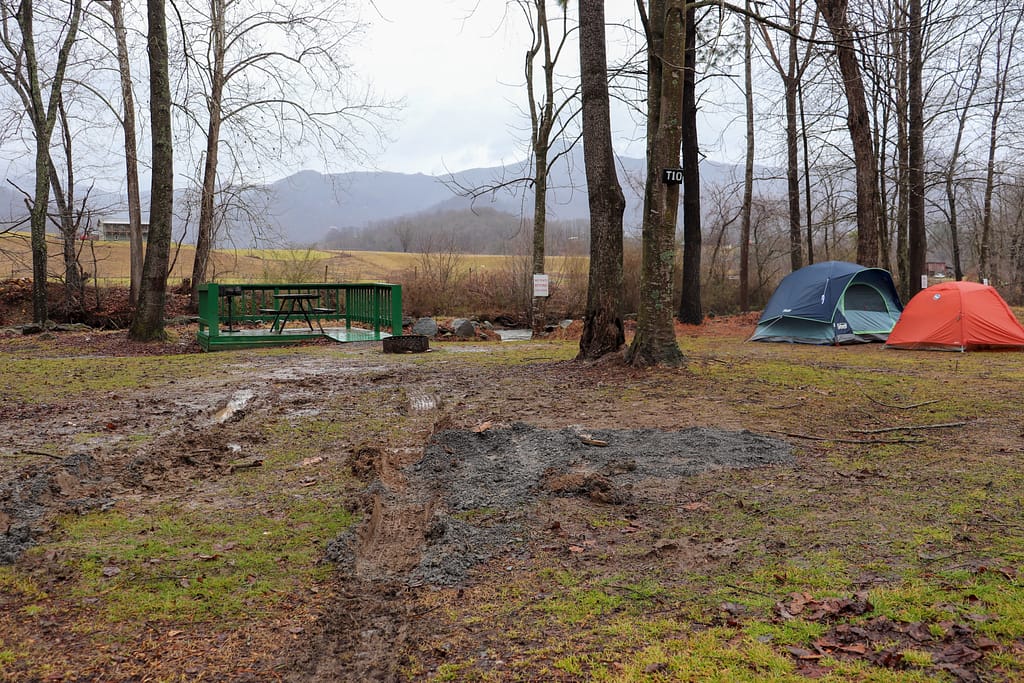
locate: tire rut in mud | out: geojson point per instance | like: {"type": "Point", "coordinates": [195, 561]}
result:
{"type": "Point", "coordinates": [429, 520]}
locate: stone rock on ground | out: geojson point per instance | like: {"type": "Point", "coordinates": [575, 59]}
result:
{"type": "Point", "coordinates": [464, 328]}
{"type": "Point", "coordinates": [425, 326]}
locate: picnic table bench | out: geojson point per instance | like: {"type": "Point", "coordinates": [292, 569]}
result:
{"type": "Point", "coordinates": [232, 315]}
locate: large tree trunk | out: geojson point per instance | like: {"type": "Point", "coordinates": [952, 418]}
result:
{"type": "Point", "coordinates": [148, 320]}
{"type": "Point", "coordinates": [41, 194]}
{"type": "Point", "coordinates": [859, 122]}
{"type": "Point", "coordinates": [603, 330]}
{"type": "Point", "coordinates": [690, 309]}
{"type": "Point", "coordinates": [131, 150]}
{"type": "Point", "coordinates": [655, 340]}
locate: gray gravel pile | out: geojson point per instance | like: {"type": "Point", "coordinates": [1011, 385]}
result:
{"type": "Point", "coordinates": [485, 482]}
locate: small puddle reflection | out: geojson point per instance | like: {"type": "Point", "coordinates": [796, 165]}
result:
{"type": "Point", "coordinates": [422, 402]}
{"type": "Point", "coordinates": [515, 335]}
{"type": "Point", "coordinates": [236, 403]}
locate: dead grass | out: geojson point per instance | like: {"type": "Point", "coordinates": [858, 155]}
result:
{"type": "Point", "coordinates": [108, 262]}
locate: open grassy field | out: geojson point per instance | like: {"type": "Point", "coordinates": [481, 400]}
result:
{"type": "Point", "coordinates": [108, 263]}
{"type": "Point", "coordinates": [329, 513]}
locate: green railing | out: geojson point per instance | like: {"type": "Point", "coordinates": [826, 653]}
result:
{"type": "Point", "coordinates": [228, 313]}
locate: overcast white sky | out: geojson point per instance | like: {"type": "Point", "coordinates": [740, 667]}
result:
{"type": "Point", "coordinates": [459, 66]}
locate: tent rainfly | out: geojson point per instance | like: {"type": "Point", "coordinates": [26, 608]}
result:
{"type": "Point", "coordinates": [957, 316]}
{"type": "Point", "coordinates": [831, 303]}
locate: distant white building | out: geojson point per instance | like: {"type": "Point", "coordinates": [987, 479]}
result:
{"type": "Point", "coordinates": [116, 229]}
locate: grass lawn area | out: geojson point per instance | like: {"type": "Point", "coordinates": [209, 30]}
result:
{"type": "Point", "coordinates": [269, 514]}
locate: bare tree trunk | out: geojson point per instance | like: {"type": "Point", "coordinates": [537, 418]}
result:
{"type": "Point", "coordinates": [859, 123]}
{"type": "Point", "coordinates": [792, 72]}
{"type": "Point", "coordinates": [540, 214]}
{"type": "Point", "coordinates": [74, 287]}
{"type": "Point", "coordinates": [24, 78]}
{"type": "Point", "coordinates": [917, 237]}
{"type": "Point", "coordinates": [148, 320]}
{"type": "Point", "coordinates": [205, 232]}
{"type": "Point", "coordinates": [748, 166]}
{"type": "Point", "coordinates": [791, 80]}
{"type": "Point", "coordinates": [807, 176]}
{"type": "Point", "coordinates": [41, 196]}
{"type": "Point", "coordinates": [902, 98]}
{"type": "Point", "coordinates": [131, 149]}
{"type": "Point", "coordinates": [1003, 67]}
{"type": "Point", "coordinates": [655, 340]}
{"type": "Point", "coordinates": [690, 309]}
{"type": "Point", "coordinates": [37, 220]}
{"type": "Point", "coordinates": [603, 330]}
{"type": "Point", "coordinates": [542, 120]}
{"type": "Point", "coordinates": [881, 107]}
{"type": "Point", "coordinates": [951, 168]}
{"type": "Point", "coordinates": [796, 261]}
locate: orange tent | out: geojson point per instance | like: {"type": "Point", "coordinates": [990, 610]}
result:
{"type": "Point", "coordinates": [957, 316]}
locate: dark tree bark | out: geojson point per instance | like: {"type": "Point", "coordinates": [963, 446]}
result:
{"type": "Point", "coordinates": [902, 98]}
{"type": "Point", "coordinates": [796, 256]}
{"type": "Point", "coordinates": [148, 320]}
{"type": "Point", "coordinates": [690, 309]}
{"type": "Point", "coordinates": [655, 340]}
{"type": "Point", "coordinates": [917, 237]}
{"type": "Point", "coordinates": [859, 123]}
{"type": "Point", "coordinates": [807, 177]}
{"type": "Point", "coordinates": [603, 330]}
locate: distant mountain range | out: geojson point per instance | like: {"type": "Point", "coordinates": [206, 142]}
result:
{"type": "Point", "coordinates": [308, 204]}
{"type": "Point", "coordinates": [304, 207]}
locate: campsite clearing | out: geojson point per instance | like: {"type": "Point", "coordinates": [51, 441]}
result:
{"type": "Point", "coordinates": [180, 508]}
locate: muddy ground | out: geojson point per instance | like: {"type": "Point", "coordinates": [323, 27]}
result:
{"type": "Point", "coordinates": [497, 471]}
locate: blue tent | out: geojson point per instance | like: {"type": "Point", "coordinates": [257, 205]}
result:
{"type": "Point", "coordinates": [831, 303]}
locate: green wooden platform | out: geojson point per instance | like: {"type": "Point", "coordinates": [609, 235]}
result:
{"type": "Point", "coordinates": [240, 316]}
